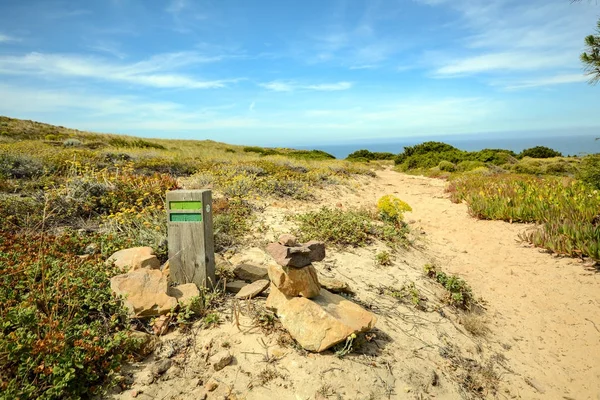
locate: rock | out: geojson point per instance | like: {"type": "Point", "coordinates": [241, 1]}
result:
{"type": "Point", "coordinates": [321, 322]}
{"type": "Point", "coordinates": [211, 385]}
{"type": "Point", "coordinates": [161, 325]}
{"type": "Point", "coordinates": [184, 293]}
{"type": "Point", "coordinates": [144, 292]}
{"type": "Point", "coordinates": [296, 257]}
{"type": "Point", "coordinates": [253, 289]}
{"type": "Point", "coordinates": [145, 343]}
{"type": "Point", "coordinates": [166, 269]}
{"type": "Point", "coordinates": [288, 240]}
{"type": "Point", "coordinates": [295, 281]}
{"type": "Point", "coordinates": [235, 286]}
{"type": "Point", "coordinates": [317, 250]}
{"type": "Point", "coordinates": [161, 367]}
{"type": "Point", "coordinates": [199, 394]}
{"type": "Point", "coordinates": [335, 285]}
{"type": "Point", "coordinates": [91, 249]}
{"type": "Point", "coordinates": [254, 256]}
{"type": "Point", "coordinates": [134, 258]}
{"type": "Point", "coordinates": [250, 273]}
{"type": "Point", "coordinates": [221, 360]}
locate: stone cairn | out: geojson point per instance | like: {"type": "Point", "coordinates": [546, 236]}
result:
{"type": "Point", "coordinates": [315, 317]}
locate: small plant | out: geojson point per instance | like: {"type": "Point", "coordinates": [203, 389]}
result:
{"type": "Point", "coordinates": [345, 348]}
{"type": "Point", "coordinates": [384, 258]}
{"type": "Point", "coordinates": [446, 166]}
{"type": "Point", "coordinates": [407, 293]}
{"type": "Point", "coordinates": [392, 209]}
{"type": "Point", "coordinates": [72, 143]}
{"type": "Point", "coordinates": [211, 319]}
{"type": "Point", "coordinates": [460, 294]}
{"type": "Point", "coordinates": [474, 324]}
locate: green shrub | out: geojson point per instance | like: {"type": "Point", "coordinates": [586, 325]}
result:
{"type": "Point", "coordinates": [347, 228]}
{"type": "Point", "coordinates": [262, 151]}
{"type": "Point", "coordinates": [62, 333]}
{"type": "Point", "coordinates": [135, 143]}
{"type": "Point", "coordinates": [366, 155]}
{"type": "Point", "coordinates": [465, 166]}
{"type": "Point", "coordinates": [20, 166]}
{"type": "Point", "coordinates": [589, 170]}
{"type": "Point", "coordinates": [459, 292]}
{"type": "Point", "coordinates": [446, 166]}
{"type": "Point", "coordinates": [310, 155]}
{"type": "Point", "coordinates": [540, 152]}
{"type": "Point", "coordinates": [72, 143]}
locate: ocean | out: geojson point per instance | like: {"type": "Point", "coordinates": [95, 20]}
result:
{"type": "Point", "coordinates": [568, 145]}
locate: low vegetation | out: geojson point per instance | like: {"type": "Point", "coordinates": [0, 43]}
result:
{"type": "Point", "coordinates": [565, 210]}
{"type": "Point", "coordinates": [459, 292]}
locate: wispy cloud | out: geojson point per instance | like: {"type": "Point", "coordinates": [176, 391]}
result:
{"type": "Point", "coordinates": [503, 61]}
{"type": "Point", "coordinates": [6, 38]}
{"type": "Point", "coordinates": [290, 86]}
{"type": "Point", "coordinates": [157, 71]}
{"type": "Point", "coordinates": [548, 81]}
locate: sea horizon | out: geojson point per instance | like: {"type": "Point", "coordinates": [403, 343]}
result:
{"type": "Point", "coordinates": [571, 145]}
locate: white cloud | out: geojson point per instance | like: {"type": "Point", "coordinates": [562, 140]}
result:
{"type": "Point", "coordinates": [503, 61]}
{"type": "Point", "coordinates": [251, 107]}
{"type": "Point", "coordinates": [288, 86]}
{"type": "Point", "coordinates": [549, 81]}
{"type": "Point", "coordinates": [154, 72]}
{"type": "Point", "coordinates": [517, 38]}
{"type": "Point", "coordinates": [6, 38]}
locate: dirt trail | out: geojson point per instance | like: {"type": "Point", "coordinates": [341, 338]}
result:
{"type": "Point", "coordinates": [546, 309]}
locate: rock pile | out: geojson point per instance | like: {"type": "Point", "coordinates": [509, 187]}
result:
{"type": "Point", "coordinates": [315, 317]}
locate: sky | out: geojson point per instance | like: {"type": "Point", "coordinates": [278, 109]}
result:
{"type": "Point", "coordinates": [272, 72]}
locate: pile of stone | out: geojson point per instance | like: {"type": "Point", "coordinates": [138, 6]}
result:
{"type": "Point", "coordinates": [315, 317]}
{"type": "Point", "coordinates": [145, 285]}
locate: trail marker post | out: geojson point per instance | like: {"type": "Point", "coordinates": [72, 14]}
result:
{"type": "Point", "coordinates": [191, 240]}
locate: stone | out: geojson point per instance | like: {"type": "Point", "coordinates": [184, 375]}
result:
{"type": "Point", "coordinates": [211, 385]}
{"type": "Point", "coordinates": [160, 367]}
{"type": "Point", "coordinates": [253, 289]}
{"type": "Point", "coordinates": [161, 325]}
{"type": "Point", "coordinates": [184, 293]}
{"type": "Point", "coordinates": [296, 257]}
{"type": "Point", "coordinates": [145, 343]}
{"type": "Point", "coordinates": [317, 250]}
{"type": "Point", "coordinates": [321, 322]}
{"type": "Point", "coordinates": [250, 273]}
{"type": "Point", "coordinates": [235, 286]}
{"type": "Point", "coordinates": [221, 360]}
{"type": "Point", "coordinates": [288, 240]}
{"type": "Point", "coordinates": [134, 258]}
{"type": "Point", "coordinates": [254, 256]}
{"type": "Point", "coordinates": [335, 285]}
{"type": "Point", "coordinates": [166, 269]}
{"type": "Point", "coordinates": [144, 292]}
{"type": "Point", "coordinates": [295, 281]}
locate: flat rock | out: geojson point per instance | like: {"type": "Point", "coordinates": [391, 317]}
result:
{"type": "Point", "coordinates": [134, 258]}
{"type": "Point", "coordinates": [145, 343]}
{"type": "Point", "coordinates": [235, 286]}
{"type": "Point", "coordinates": [184, 293]}
{"type": "Point", "coordinates": [288, 240]}
{"type": "Point", "coordinates": [335, 285]}
{"type": "Point", "coordinates": [253, 289]}
{"type": "Point", "coordinates": [250, 273]}
{"type": "Point", "coordinates": [254, 256]}
{"type": "Point", "coordinates": [144, 291]}
{"type": "Point", "coordinates": [160, 367]}
{"type": "Point", "coordinates": [296, 257]}
{"type": "Point", "coordinates": [295, 281]}
{"type": "Point", "coordinates": [221, 360]}
{"type": "Point", "coordinates": [321, 322]}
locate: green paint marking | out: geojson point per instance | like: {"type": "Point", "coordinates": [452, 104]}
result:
{"type": "Point", "coordinates": [185, 205]}
{"type": "Point", "coordinates": [194, 217]}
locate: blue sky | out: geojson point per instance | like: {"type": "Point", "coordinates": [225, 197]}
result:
{"type": "Point", "coordinates": [299, 72]}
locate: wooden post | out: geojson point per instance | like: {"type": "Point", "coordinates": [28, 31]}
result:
{"type": "Point", "coordinates": [191, 240]}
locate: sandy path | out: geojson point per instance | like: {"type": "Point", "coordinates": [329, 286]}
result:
{"type": "Point", "coordinates": [544, 310]}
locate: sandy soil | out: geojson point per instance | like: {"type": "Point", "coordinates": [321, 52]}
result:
{"type": "Point", "coordinates": [541, 312]}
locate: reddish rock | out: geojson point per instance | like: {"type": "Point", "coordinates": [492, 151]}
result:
{"type": "Point", "coordinates": [317, 250]}
{"type": "Point", "coordinates": [296, 257]}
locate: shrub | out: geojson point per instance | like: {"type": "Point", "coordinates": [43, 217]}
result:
{"type": "Point", "coordinates": [589, 170]}
{"type": "Point", "coordinates": [347, 228]}
{"type": "Point", "coordinates": [62, 333]}
{"type": "Point", "coordinates": [310, 155]}
{"type": "Point", "coordinates": [20, 166]}
{"type": "Point", "coordinates": [366, 155]}
{"type": "Point", "coordinates": [392, 209]}
{"type": "Point", "coordinates": [465, 166]}
{"type": "Point", "coordinates": [261, 151]}
{"type": "Point", "coordinates": [446, 166]}
{"type": "Point", "coordinates": [459, 292]}
{"type": "Point", "coordinates": [135, 143]}
{"type": "Point", "coordinates": [72, 143]}
{"type": "Point", "coordinates": [540, 152]}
